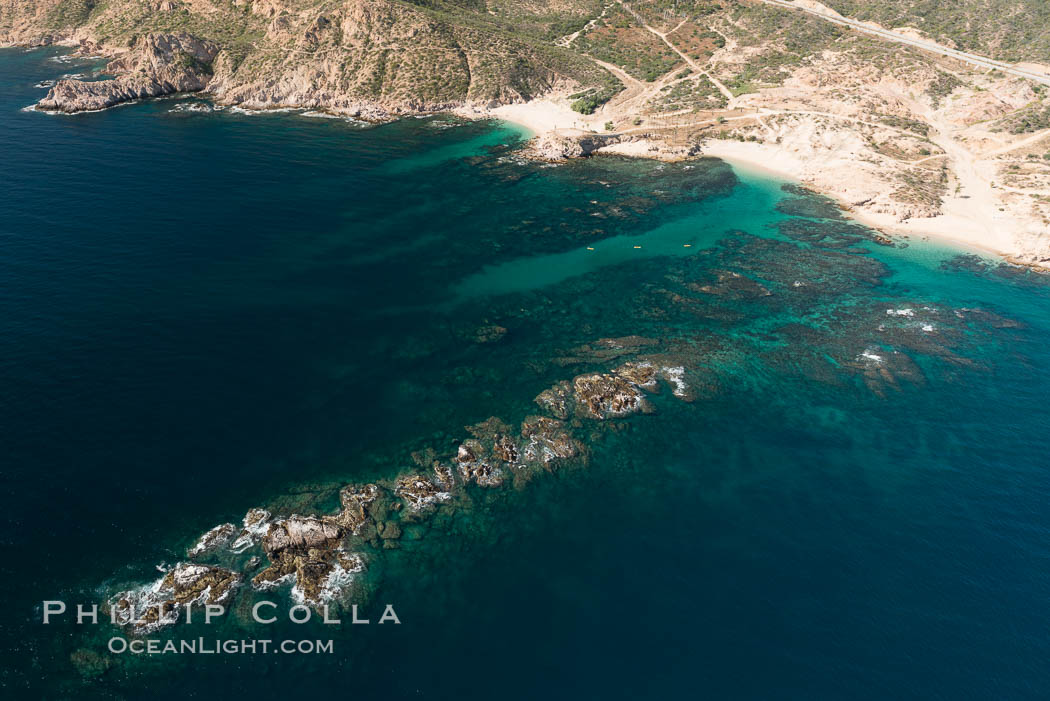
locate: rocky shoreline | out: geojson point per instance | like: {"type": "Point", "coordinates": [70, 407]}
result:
{"type": "Point", "coordinates": [158, 65]}
{"type": "Point", "coordinates": [165, 64]}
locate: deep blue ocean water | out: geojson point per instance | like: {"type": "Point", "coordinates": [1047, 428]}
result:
{"type": "Point", "coordinates": [204, 312]}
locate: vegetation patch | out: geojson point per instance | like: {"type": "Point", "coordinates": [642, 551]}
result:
{"type": "Point", "coordinates": [1030, 119]}
{"type": "Point", "coordinates": [619, 40]}
{"type": "Point", "coordinates": [696, 94]}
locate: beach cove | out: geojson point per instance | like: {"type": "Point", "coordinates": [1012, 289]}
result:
{"type": "Point", "coordinates": [208, 312]}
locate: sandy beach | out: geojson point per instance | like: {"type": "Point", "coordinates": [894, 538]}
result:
{"type": "Point", "coordinates": [538, 116]}
{"type": "Point", "coordinates": [972, 220]}
{"type": "Point", "coordinates": [973, 214]}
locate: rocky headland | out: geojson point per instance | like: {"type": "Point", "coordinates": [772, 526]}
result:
{"type": "Point", "coordinates": [157, 65]}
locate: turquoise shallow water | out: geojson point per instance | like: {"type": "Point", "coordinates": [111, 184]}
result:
{"type": "Point", "coordinates": [205, 312]}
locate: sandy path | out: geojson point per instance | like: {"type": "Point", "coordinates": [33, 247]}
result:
{"type": "Point", "coordinates": [1020, 144]}
{"type": "Point", "coordinates": [568, 39]}
{"type": "Point", "coordinates": [690, 62]}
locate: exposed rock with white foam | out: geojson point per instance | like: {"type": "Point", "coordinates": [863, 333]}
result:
{"type": "Point", "coordinates": [213, 539]}
{"type": "Point", "coordinates": [159, 604]}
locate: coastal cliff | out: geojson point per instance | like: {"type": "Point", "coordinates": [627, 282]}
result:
{"type": "Point", "coordinates": [370, 58]}
{"type": "Point", "coordinates": [910, 140]}
{"type": "Point", "coordinates": [158, 64]}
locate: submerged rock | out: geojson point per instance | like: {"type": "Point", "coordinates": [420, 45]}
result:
{"type": "Point", "coordinates": [390, 530]}
{"type": "Point", "coordinates": [605, 350]}
{"type": "Point", "coordinates": [882, 370]}
{"type": "Point", "coordinates": [732, 285]}
{"type": "Point", "coordinates": [90, 664]}
{"type": "Point", "coordinates": [489, 333]}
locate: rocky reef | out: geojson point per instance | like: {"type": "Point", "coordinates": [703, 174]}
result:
{"type": "Point", "coordinates": [308, 549]}
{"type": "Point", "coordinates": [157, 65]}
{"type": "Point", "coordinates": [160, 604]}
{"type": "Point", "coordinates": [319, 555]}
{"type": "Point", "coordinates": [810, 309]}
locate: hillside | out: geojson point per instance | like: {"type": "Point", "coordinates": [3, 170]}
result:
{"type": "Point", "coordinates": [338, 54]}
{"type": "Point", "coordinates": [1010, 30]}
{"type": "Point", "coordinates": [912, 140]}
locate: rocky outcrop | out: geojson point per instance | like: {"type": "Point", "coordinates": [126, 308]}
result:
{"type": "Point", "coordinates": [556, 400]}
{"type": "Point", "coordinates": [309, 550]}
{"type": "Point", "coordinates": [547, 441]}
{"type": "Point", "coordinates": [476, 464]}
{"type": "Point", "coordinates": [600, 395]}
{"type": "Point", "coordinates": [561, 144]}
{"type": "Point", "coordinates": [256, 523]}
{"type": "Point", "coordinates": [159, 604]}
{"type": "Point", "coordinates": [299, 534]}
{"type": "Point", "coordinates": [214, 539]}
{"type": "Point", "coordinates": [419, 492]}
{"type": "Point", "coordinates": [159, 64]}
{"type": "Point", "coordinates": [355, 500]}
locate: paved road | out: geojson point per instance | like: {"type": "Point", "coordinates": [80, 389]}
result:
{"type": "Point", "coordinates": [972, 59]}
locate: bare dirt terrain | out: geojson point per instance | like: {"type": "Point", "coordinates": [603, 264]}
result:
{"type": "Point", "coordinates": [914, 145]}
